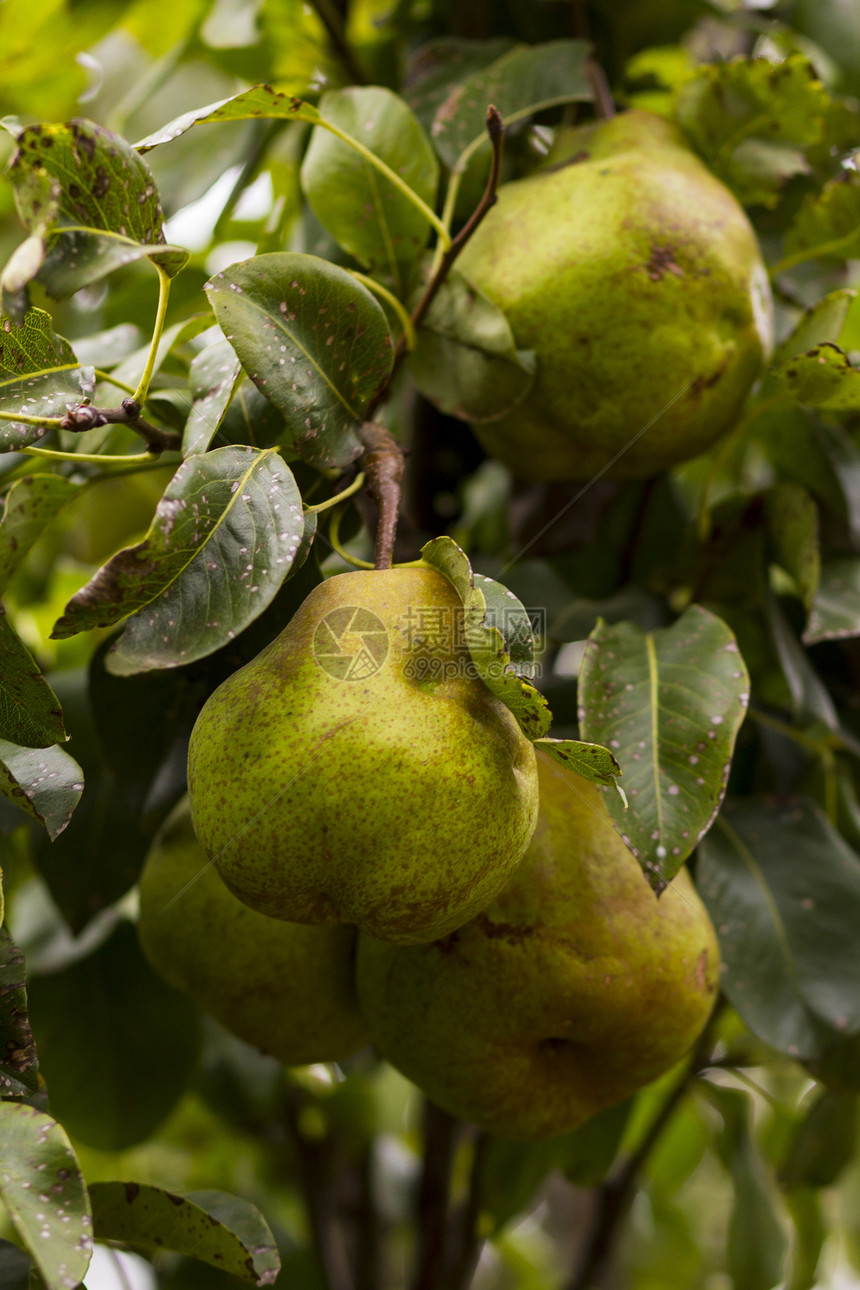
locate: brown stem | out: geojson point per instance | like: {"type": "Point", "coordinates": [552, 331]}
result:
{"type": "Point", "coordinates": [369, 1266]}
{"type": "Point", "coordinates": [468, 1242]}
{"type": "Point", "coordinates": [314, 1158]}
{"type": "Point", "coordinates": [86, 417]}
{"type": "Point", "coordinates": [382, 463]}
{"type": "Point", "coordinates": [603, 105]}
{"type": "Point", "coordinates": [441, 1132]}
{"type": "Point", "coordinates": [333, 23]}
{"type": "Point", "coordinates": [496, 131]}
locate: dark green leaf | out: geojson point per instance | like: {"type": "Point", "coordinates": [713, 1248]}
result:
{"type": "Point", "coordinates": [224, 1231]}
{"type": "Point", "coordinates": [44, 1194]}
{"type": "Point", "coordinates": [45, 782]}
{"type": "Point", "coordinates": [836, 609]}
{"type": "Point", "coordinates": [30, 713]}
{"type": "Point", "coordinates": [783, 891]}
{"type": "Point", "coordinates": [524, 80]}
{"type": "Point", "coordinates": [465, 360]}
{"type": "Point", "coordinates": [827, 224]}
{"type": "Point", "coordinates": [116, 1090]}
{"type": "Point", "coordinates": [313, 340]}
{"type": "Point", "coordinates": [792, 520]}
{"type": "Point", "coordinates": [31, 505]}
{"type": "Point", "coordinates": [641, 695]}
{"type": "Point", "coordinates": [810, 1231]}
{"type": "Point", "coordinates": [214, 373]}
{"type": "Point", "coordinates": [823, 1143]}
{"type": "Point", "coordinates": [19, 1063]}
{"type": "Point", "coordinates": [14, 1267]}
{"type": "Point", "coordinates": [370, 218]}
{"type": "Point", "coordinates": [234, 511]}
{"type": "Point", "coordinates": [810, 697]}
{"type": "Point", "coordinates": [39, 377]}
{"type": "Point", "coordinates": [824, 377]}
{"type": "Point", "coordinates": [484, 639]}
{"type": "Point", "coordinates": [435, 69]}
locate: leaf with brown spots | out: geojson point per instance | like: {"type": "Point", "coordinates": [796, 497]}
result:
{"type": "Point", "coordinates": [224, 1231]}
{"type": "Point", "coordinates": [313, 340]}
{"type": "Point", "coordinates": [589, 761]}
{"type": "Point", "coordinates": [30, 713]}
{"type": "Point", "coordinates": [46, 783]}
{"type": "Point", "coordinates": [19, 1063]}
{"type": "Point", "coordinates": [44, 1194]}
{"type": "Point", "coordinates": [223, 540]}
{"type": "Point", "coordinates": [39, 377]}
{"type": "Point", "coordinates": [668, 704]}
{"type": "Point", "coordinates": [824, 377]}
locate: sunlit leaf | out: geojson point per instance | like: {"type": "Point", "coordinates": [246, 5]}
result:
{"type": "Point", "coordinates": [824, 377]}
{"type": "Point", "coordinates": [259, 101]}
{"type": "Point", "coordinates": [641, 695]}
{"type": "Point", "coordinates": [820, 322]}
{"type": "Point", "coordinates": [783, 891]}
{"type": "Point", "coordinates": [44, 1194]}
{"type": "Point", "coordinates": [46, 783]}
{"type": "Point", "coordinates": [39, 377]}
{"type": "Point", "coordinates": [590, 761]}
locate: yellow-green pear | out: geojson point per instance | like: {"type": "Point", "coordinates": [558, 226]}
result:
{"type": "Point", "coordinates": [285, 988]}
{"type": "Point", "coordinates": [635, 276]}
{"type": "Point", "coordinates": [357, 770]}
{"type": "Point", "coordinates": [574, 988]}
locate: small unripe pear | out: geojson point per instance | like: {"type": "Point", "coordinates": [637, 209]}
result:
{"type": "Point", "coordinates": [635, 276]}
{"type": "Point", "coordinates": [359, 771]}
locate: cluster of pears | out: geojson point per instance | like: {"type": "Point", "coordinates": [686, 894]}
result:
{"type": "Point", "coordinates": [636, 278]}
{"type": "Point", "coordinates": [364, 861]}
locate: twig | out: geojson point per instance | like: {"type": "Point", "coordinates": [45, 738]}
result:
{"type": "Point", "coordinates": [441, 1132]}
{"type": "Point", "coordinates": [382, 463]}
{"type": "Point", "coordinates": [496, 132]}
{"type": "Point", "coordinates": [331, 20]}
{"type": "Point", "coordinates": [369, 1274]}
{"type": "Point", "coordinates": [86, 417]}
{"type": "Point", "coordinates": [599, 86]}
{"type": "Point", "coordinates": [468, 1242]}
{"type": "Point", "coordinates": [317, 1193]}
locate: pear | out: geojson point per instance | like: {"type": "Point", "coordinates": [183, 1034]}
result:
{"type": "Point", "coordinates": [635, 276]}
{"type": "Point", "coordinates": [357, 770]}
{"type": "Point", "coordinates": [282, 987]}
{"type": "Point", "coordinates": [572, 990]}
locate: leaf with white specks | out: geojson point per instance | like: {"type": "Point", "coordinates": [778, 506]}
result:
{"type": "Point", "coordinates": [214, 373]}
{"type": "Point", "coordinates": [223, 540]}
{"type": "Point", "coordinates": [225, 1231]}
{"type": "Point", "coordinates": [46, 783]}
{"type": "Point", "coordinates": [31, 505]}
{"type": "Point", "coordinates": [495, 633]}
{"type": "Point", "coordinates": [313, 340]}
{"type": "Point", "coordinates": [39, 377]}
{"type": "Point", "coordinates": [44, 1194]}
{"type": "Point", "coordinates": [30, 713]}
{"type": "Point", "coordinates": [589, 761]}
{"type": "Point", "coordinates": [668, 704]}
{"type": "Point", "coordinates": [782, 888]}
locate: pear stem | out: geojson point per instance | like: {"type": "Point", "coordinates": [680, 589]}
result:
{"type": "Point", "coordinates": [382, 463]}
{"type": "Point", "coordinates": [496, 132]}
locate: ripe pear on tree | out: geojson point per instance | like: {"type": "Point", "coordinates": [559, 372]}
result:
{"type": "Point", "coordinates": [573, 989]}
{"type": "Point", "coordinates": [635, 276]}
{"type": "Point", "coordinates": [358, 771]}
{"type": "Point", "coordinates": [283, 987]}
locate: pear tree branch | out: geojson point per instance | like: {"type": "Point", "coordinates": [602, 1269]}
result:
{"type": "Point", "coordinates": [315, 1167]}
{"type": "Point", "coordinates": [128, 414]}
{"type": "Point", "coordinates": [466, 1241]}
{"type": "Point", "coordinates": [382, 463]}
{"type": "Point", "coordinates": [441, 1137]}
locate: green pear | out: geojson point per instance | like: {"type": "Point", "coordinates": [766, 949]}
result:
{"type": "Point", "coordinates": [635, 276]}
{"type": "Point", "coordinates": [357, 770]}
{"type": "Point", "coordinates": [572, 990]}
{"type": "Point", "coordinates": [285, 988]}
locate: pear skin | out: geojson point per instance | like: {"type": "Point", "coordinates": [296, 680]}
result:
{"type": "Point", "coordinates": [635, 276]}
{"type": "Point", "coordinates": [576, 987]}
{"type": "Point", "coordinates": [358, 771]}
{"type": "Point", "coordinates": [282, 987]}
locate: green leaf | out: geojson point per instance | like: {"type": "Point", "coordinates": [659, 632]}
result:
{"type": "Point", "coordinates": [313, 340]}
{"type": "Point", "coordinates": [234, 510]}
{"type": "Point", "coordinates": [370, 218]}
{"type": "Point", "coordinates": [437, 68]}
{"type": "Point", "coordinates": [39, 377]}
{"type": "Point", "coordinates": [783, 891]}
{"type": "Point", "coordinates": [810, 698]}
{"type": "Point", "coordinates": [103, 206]}
{"type": "Point", "coordinates": [836, 609]}
{"type": "Point", "coordinates": [45, 782]}
{"type": "Point", "coordinates": [221, 1230]}
{"type": "Point", "coordinates": [827, 224]}
{"type": "Point", "coordinates": [19, 1063]}
{"type": "Point", "coordinates": [792, 521]}
{"type": "Point", "coordinates": [44, 1194]}
{"type": "Point", "coordinates": [465, 360]}
{"type": "Point", "coordinates": [116, 1091]}
{"type": "Point", "coordinates": [810, 1232]}
{"type": "Point", "coordinates": [642, 696]}
{"type": "Point", "coordinates": [750, 120]}
{"type": "Point", "coordinates": [824, 377]}
{"type": "Point", "coordinates": [30, 713]}
{"type": "Point", "coordinates": [590, 761]}
{"type": "Point", "coordinates": [14, 1267]}
{"type": "Point", "coordinates": [485, 640]}
{"type": "Point", "coordinates": [526, 79]}
{"type": "Point", "coordinates": [261, 101]}
{"type": "Point", "coordinates": [820, 322]}
{"type": "Point", "coordinates": [31, 505]}
{"type": "Point", "coordinates": [823, 1143]}
{"type": "Point", "coordinates": [214, 374]}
